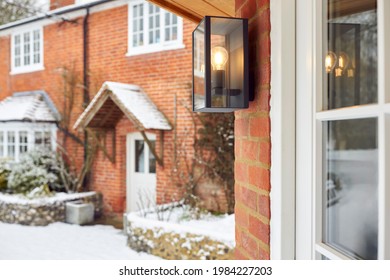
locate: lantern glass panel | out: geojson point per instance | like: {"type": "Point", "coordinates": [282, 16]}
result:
{"type": "Point", "coordinates": [199, 75]}
{"type": "Point", "coordinates": [220, 65]}
{"type": "Point", "coordinates": [227, 63]}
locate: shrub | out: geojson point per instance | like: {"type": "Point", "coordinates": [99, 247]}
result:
{"type": "Point", "coordinates": [37, 168]}
{"type": "Point", "coordinates": [4, 173]}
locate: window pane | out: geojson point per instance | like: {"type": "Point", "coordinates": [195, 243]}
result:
{"type": "Point", "coordinates": [135, 11]}
{"type": "Point", "coordinates": [152, 159]}
{"type": "Point", "coordinates": [38, 138]}
{"type": "Point", "coordinates": [351, 56]}
{"type": "Point", "coordinates": [135, 26]}
{"type": "Point", "coordinates": [17, 51]}
{"type": "Point", "coordinates": [350, 187]}
{"type": "Point", "coordinates": [139, 156]}
{"type": "Point", "coordinates": [26, 48]}
{"type": "Point", "coordinates": [36, 46]}
{"type": "Point", "coordinates": [11, 144]}
{"type": "Point", "coordinates": [167, 18]}
{"type": "Point", "coordinates": [47, 140]}
{"type": "Point", "coordinates": [154, 23]}
{"type": "Point", "coordinates": [158, 20]}
{"type": "Point", "coordinates": [158, 36]}
{"type": "Point", "coordinates": [167, 34]}
{"type": "Point", "coordinates": [23, 143]}
{"type": "Point", "coordinates": [137, 22]}
{"type": "Point", "coordinates": [1, 144]}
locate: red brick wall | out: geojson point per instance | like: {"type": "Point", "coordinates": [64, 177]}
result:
{"type": "Point", "coordinates": [252, 141]}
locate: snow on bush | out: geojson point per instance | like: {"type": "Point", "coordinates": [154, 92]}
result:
{"type": "Point", "coordinates": [4, 173]}
{"type": "Point", "coordinates": [36, 169]}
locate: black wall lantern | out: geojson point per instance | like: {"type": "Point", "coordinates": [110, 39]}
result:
{"type": "Point", "coordinates": [220, 70]}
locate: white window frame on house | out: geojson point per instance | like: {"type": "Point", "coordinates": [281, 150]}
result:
{"type": "Point", "coordinates": [282, 115]}
{"type": "Point", "coordinates": [29, 49]}
{"type": "Point", "coordinates": [152, 46]}
{"type": "Point", "coordinates": [18, 132]}
{"type": "Point", "coordinates": [311, 116]}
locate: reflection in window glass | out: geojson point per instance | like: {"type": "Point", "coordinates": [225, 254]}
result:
{"type": "Point", "coordinates": [350, 187]}
{"type": "Point", "coordinates": [139, 156]}
{"type": "Point", "coordinates": [351, 57]}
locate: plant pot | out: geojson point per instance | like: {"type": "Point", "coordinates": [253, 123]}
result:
{"type": "Point", "coordinates": [79, 213]}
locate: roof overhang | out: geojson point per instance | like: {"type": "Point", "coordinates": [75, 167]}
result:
{"type": "Point", "coordinates": [115, 99]}
{"type": "Point", "coordinates": [195, 10]}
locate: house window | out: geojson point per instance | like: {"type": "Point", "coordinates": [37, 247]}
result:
{"type": "Point", "coordinates": [152, 29]}
{"type": "Point", "coordinates": [17, 139]}
{"type": "Point", "coordinates": [145, 162]}
{"type": "Point", "coordinates": [42, 139]}
{"type": "Point", "coordinates": [27, 51]}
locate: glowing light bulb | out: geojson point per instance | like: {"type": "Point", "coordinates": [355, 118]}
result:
{"type": "Point", "coordinates": [330, 61]}
{"type": "Point", "coordinates": [341, 62]}
{"type": "Point", "coordinates": [219, 57]}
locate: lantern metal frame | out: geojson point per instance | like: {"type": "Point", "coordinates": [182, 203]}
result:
{"type": "Point", "coordinates": [246, 93]}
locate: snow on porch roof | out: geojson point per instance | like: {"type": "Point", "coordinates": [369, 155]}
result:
{"type": "Point", "coordinates": [31, 106]}
{"type": "Point", "coordinates": [115, 99]}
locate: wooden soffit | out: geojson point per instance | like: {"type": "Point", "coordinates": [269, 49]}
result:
{"type": "Point", "coordinates": [348, 7]}
{"type": "Point", "coordinates": [195, 10]}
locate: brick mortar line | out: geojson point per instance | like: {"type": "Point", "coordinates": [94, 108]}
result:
{"type": "Point", "coordinates": [254, 139]}
{"type": "Point", "coordinates": [262, 218]}
{"type": "Point", "coordinates": [255, 163]}
{"type": "Point", "coordinates": [254, 188]}
{"type": "Point", "coordinates": [251, 115]}
{"type": "Point", "coordinates": [259, 242]}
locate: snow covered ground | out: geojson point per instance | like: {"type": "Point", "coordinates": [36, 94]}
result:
{"type": "Point", "coordinates": [60, 241]}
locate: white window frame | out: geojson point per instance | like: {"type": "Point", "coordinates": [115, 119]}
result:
{"type": "Point", "coordinates": [282, 115]}
{"type": "Point", "coordinates": [30, 128]}
{"type": "Point", "coordinates": [156, 47]}
{"type": "Point", "coordinates": [32, 66]}
{"type": "Point", "coordinates": [309, 129]}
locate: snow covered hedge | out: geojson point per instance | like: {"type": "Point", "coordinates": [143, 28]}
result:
{"type": "Point", "coordinates": [210, 238]}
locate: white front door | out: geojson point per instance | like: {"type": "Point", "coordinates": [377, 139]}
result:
{"type": "Point", "coordinates": [140, 173]}
{"type": "Point", "coordinates": [343, 129]}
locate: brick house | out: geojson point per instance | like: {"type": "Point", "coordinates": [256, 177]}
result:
{"type": "Point", "coordinates": [83, 49]}
{"type": "Point", "coordinates": [312, 149]}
